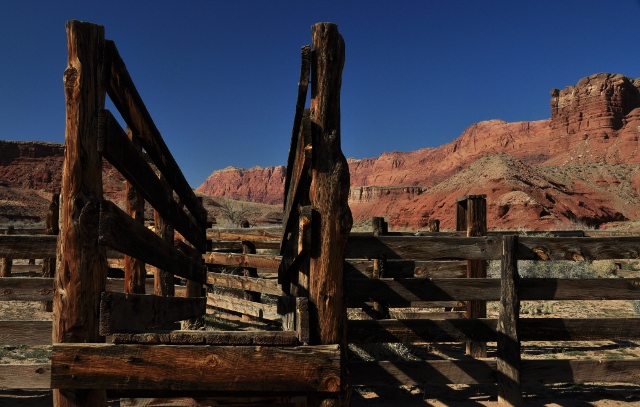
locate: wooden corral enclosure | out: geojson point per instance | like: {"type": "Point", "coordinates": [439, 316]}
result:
{"type": "Point", "coordinates": [293, 287]}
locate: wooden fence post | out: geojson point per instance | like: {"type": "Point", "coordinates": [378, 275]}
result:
{"type": "Point", "coordinates": [380, 227]}
{"type": "Point", "coordinates": [81, 272]}
{"type": "Point", "coordinates": [53, 229]}
{"type": "Point", "coordinates": [508, 365]}
{"type": "Point", "coordinates": [474, 211]}
{"type": "Point", "coordinates": [249, 248]}
{"type": "Point", "coordinates": [7, 262]}
{"type": "Point", "coordinates": [163, 281]}
{"type": "Point", "coordinates": [135, 273]}
{"type": "Point", "coordinates": [329, 192]}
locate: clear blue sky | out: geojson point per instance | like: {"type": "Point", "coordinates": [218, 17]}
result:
{"type": "Point", "coordinates": [220, 77]}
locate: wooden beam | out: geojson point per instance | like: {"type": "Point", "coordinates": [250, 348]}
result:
{"type": "Point", "coordinates": [225, 245]}
{"type": "Point", "coordinates": [578, 248]}
{"type": "Point", "coordinates": [236, 401]}
{"type": "Point", "coordinates": [508, 346]}
{"type": "Point", "coordinates": [120, 232]}
{"type": "Point", "coordinates": [116, 147]}
{"type": "Point", "coordinates": [28, 246]}
{"type": "Point", "coordinates": [476, 226]}
{"type": "Point", "coordinates": [28, 333]}
{"type": "Point", "coordinates": [7, 262]}
{"type": "Point", "coordinates": [27, 231]}
{"type": "Point", "coordinates": [401, 292]}
{"type": "Point", "coordinates": [31, 376]}
{"type": "Point", "coordinates": [245, 283]}
{"type": "Point", "coordinates": [213, 368]}
{"type": "Point", "coordinates": [127, 100]}
{"type": "Point", "coordinates": [235, 338]}
{"type": "Point", "coordinates": [26, 289]}
{"type": "Point", "coordinates": [261, 261]}
{"type": "Point", "coordinates": [407, 268]}
{"type": "Point", "coordinates": [484, 371]}
{"type": "Point", "coordinates": [246, 234]}
{"type": "Point", "coordinates": [53, 229]}
{"type": "Point", "coordinates": [254, 309]}
{"type": "Point", "coordinates": [367, 246]}
{"type": "Point", "coordinates": [81, 262]}
{"type": "Point", "coordinates": [123, 312]}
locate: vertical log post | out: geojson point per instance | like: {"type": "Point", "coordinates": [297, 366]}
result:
{"type": "Point", "coordinates": [434, 225]}
{"type": "Point", "coordinates": [476, 225]}
{"type": "Point", "coordinates": [135, 273]}
{"type": "Point", "coordinates": [53, 229]}
{"type": "Point", "coordinates": [7, 262]}
{"type": "Point", "coordinates": [328, 193]}
{"type": "Point", "coordinates": [508, 365]}
{"type": "Point", "coordinates": [81, 271]}
{"type": "Point", "coordinates": [380, 227]}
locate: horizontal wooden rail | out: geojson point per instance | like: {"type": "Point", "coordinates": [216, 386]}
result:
{"type": "Point", "coordinates": [245, 307]}
{"type": "Point", "coordinates": [121, 232]}
{"type": "Point", "coordinates": [26, 289]}
{"type": "Point", "coordinates": [116, 147]}
{"type": "Point", "coordinates": [484, 371]}
{"type": "Point", "coordinates": [402, 292]}
{"type": "Point", "coordinates": [127, 100]}
{"type": "Point", "coordinates": [125, 312]}
{"type": "Point", "coordinates": [27, 333]}
{"type": "Point", "coordinates": [223, 368]}
{"type": "Point", "coordinates": [246, 234]}
{"type": "Point", "coordinates": [407, 268]}
{"type": "Point", "coordinates": [484, 330]}
{"type": "Point", "coordinates": [243, 260]}
{"type": "Point", "coordinates": [366, 246]}
{"type": "Point", "coordinates": [28, 376]}
{"type": "Point", "coordinates": [236, 338]}
{"type": "Point", "coordinates": [27, 231]}
{"type": "Point", "coordinates": [259, 285]}
{"type": "Point", "coordinates": [28, 246]}
{"type": "Point", "coordinates": [237, 244]}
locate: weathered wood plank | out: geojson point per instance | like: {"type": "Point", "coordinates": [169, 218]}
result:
{"type": "Point", "coordinates": [213, 368]}
{"type": "Point", "coordinates": [225, 245]}
{"type": "Point", "coordinates": [116, 147]}
{"type": "Point", "coordinates": [403, 292]}
{"type": "Point", "coordinates": [508, 344]}
{"type": "Point", "coordinates": [245, 283]}
{"type": "Point", "coordinates": [485, 330]}
{"type": "Point", "coordinates": [407, 268]}
{"type": "Point", "coordinates": [25, 231]}
{"type": "Point", "coordinates": [53, 229]}
{"type": "Point", "coordinates": [578, 248]}
{"type": "Point", "coordinates": [28, 246]}
{"type": "Point", "coordinates": [366, 246]}
{"type": "Point", "coordinates": [243, 260]}
{"type": "Point", "coordinates": [26, 289]}
{"type": "Point", "coordinates": [235, 338]}
{"type": "Point", "coordinates": [121, 232]}
{"type": "Point", "coordinates": [31, 376]}
{"type": "Point", "coordinates": [27, 333]}
{"type": "Point", "coordinates": [254, 309]}
{"type": "Point", "coordinates": [125, 97]}
{"type": "Point", "coordinates": [483, 371]}
{"type": "Point", "coordinates": [123, 312]}
{"type": "Point", "coordinates": [236, 401]}
{"type": "Point", "coordinates": [7, 262]}
{"type": "Point", "coordinates": [246, 234]}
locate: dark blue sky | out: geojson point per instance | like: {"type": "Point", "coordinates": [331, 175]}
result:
{"type": "Point", "coordinates": [220, 77]}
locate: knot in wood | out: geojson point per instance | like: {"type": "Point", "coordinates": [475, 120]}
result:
{"type": "Point", "coordinates": [70, 77]}
{"type": "Point", "coordinates": [7, 291]}
{"type": "Point", "coordinates": [418, 271]}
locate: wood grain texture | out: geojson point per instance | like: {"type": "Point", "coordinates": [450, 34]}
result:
{"type": "Point", "coordinates": [119, 150]}
{"type": "Point", "coordinates": [578, 248]}
{"type": "Point", "coordinates": [235, 338]}
{"type": "Point", "coordinates": [123, 312]}
{"type": "Point", "coordinates": [244, 307]}
{"type": "Point", "coordinates": [253, 234]}
{"type": "Point", "coordinates": [213, 368]}
{"type": "Point", "coordinates": [402, 292]}
{"type": "Point", "coordinates": [367, 246]}
{"type": "Point", "coordinates": [28, 246]}
{"type": "Point", "coordinates": [31, 376]}
{"type": "Point", "coordinates": [26, 289]}
{"type": "Point", "coordinates": [508, 344]}
{"type": "Point", "coordinates": [7, 262]}
{"type": "Point", "coordinates": [53, 229]}
{"type": "Point", "coordinates": [245, 283]}
{"type": "Point", "coordinates": [28, 333]}
{"type": "Point", "coordinates": [289, 401]}
{"type": "Point", "coordinates": [127, 100]}
{"type": "Point", "coordinates": [407, 268]}
{"type": "Point", "coordinates": [484, 371]}
{"type": "Point", "coordinates": [81, 262]}
{"type": "Point", "coordinates": [120, 232]}
{"type": "Point", "coordinates": [261, 261]}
